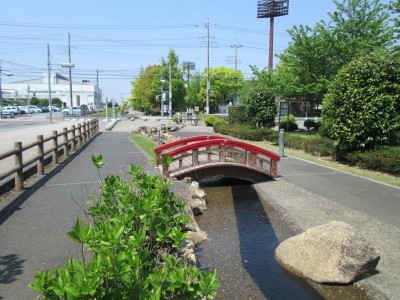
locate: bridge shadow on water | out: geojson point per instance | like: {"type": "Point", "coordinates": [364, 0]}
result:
{"type": "Point", "coordinates": [257, 242]}
{"type": "Point", "coordinates": [243, 245]}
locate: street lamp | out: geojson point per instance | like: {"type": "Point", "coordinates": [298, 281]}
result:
{"type": "Point", "coordinates": [1, 92]}
{"type": "Point", "coordinates": [162, 97]}
{"type": "Point", "coordinates": [69, 66]}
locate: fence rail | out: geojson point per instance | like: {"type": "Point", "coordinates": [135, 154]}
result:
{"type": "Point", "coordinates": [72, 139]}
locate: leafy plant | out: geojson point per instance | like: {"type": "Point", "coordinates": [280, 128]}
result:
{"type": "Point", "coordinates": [135, 230]}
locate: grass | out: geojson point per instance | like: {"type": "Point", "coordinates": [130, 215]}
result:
{"type": "Point", "coordinates": [146, 145]}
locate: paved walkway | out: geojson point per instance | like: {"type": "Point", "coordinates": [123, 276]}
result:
{"type": "Point", "coordinates": [33, 224]}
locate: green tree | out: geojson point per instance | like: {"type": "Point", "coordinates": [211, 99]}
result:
{"type": "Point", "coordinates": [362, 108]}
{"type": "Point", "coordinates": [143, 93]}
{"type": "Point", "coordinates": [224, 84]}
{"type": "Point", "coordinates": [314, 56]}
{"type": "Point", "coordinates": [395, 9]}
{"type": "Point", "coordinates": [261, 105]}
{"type": "Point", "coordinates": [171, 64]}
{"type": "Point", "coordinates": [193, 90]}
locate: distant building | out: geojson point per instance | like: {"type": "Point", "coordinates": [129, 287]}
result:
{"type": "Point", "coordinates": [82, 92]}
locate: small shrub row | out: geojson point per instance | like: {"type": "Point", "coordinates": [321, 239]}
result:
{"type": "Point", "coordinates": [311, 124]}
{"type": "Point", "coordinates": [210, 120]}
{"type": "Point", "coordinates": [385, 159]}
{"type": "Point", "coordinates": [247, 132]}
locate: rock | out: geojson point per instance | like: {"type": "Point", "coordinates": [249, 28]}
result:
{"type": "Point", "coordinates": [333, 253]}
{"type": "Point", "coordinates": [197, 237]}
{"type": "Point", "coordinates": [187, 252]}
{"type": "Point", "coordinates": [192, 224]}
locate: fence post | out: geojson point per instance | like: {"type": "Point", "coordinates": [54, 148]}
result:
{"type": "Point", "coordinates": [195, 157]}
{"type": "Point", "coordinates": [73, 138]}
{"type": "Point", "coordinates": [55, 145]}
{"type": "Point", "coordinates": [40, 152]}
{"type": "Point", "coordinates": [79, 134]}
{"type": "Point", "coordinates": [84, 133]}
{"type": "Point", "coordinates": [19, 175]}
{"type": "Point", "coordinates": [65, 135]}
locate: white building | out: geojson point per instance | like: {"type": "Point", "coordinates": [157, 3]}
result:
{"type": "Point", "coordinates": [82, 92]}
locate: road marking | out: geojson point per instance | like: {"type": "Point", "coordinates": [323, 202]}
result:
{"type": "Point", "coordinates": [72, 183]}
{"type": "Point", "coordinates": [311, 174]}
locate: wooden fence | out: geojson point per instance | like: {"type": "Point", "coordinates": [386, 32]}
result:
{"type": "Point", "coordinates": [72, 139]}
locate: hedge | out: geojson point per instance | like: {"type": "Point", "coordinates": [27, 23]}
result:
{"type": "Point", "coordinates": [385, 159]}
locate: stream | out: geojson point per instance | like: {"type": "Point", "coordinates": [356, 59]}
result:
{"type": "Point", "coordinates": [242, 245]}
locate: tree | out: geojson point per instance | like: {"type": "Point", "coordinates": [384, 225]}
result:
{"type": "Point", "coordinates": [362, 108]}
{"type": "Point", "coordinates": [193, 90]}
{"type": "Point", "coordinates": [360, 27]}
{"type": "Point", "coordinates": [143, 90]}
{"type": "Point", "coordinates": [395, 9]}
{"type": "Point", "coordinates": [224, 83]}
{"type": "Point", "coordinates": [261, 105]}
{"type": "Point", "coordinates": [314, 56]}
{"type": "Point", "coordinates": [178, 84]}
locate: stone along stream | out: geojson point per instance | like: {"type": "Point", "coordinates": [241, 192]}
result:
{"type": "Point", "coordinates": [241, 247]}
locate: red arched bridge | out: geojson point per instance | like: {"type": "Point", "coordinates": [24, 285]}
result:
{"type": "Point", "coordinates": [203, 157]}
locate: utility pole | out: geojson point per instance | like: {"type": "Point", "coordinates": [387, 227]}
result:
{"type": "Point", "coordinates": [49, 82]}
{"type": "Point", "coordinates": [70, 73]}
{"type": "Point", "coordinates": [208, 69]}
{"type": "Point", "coordinates": [170, 90]}
{"type": "Point", "coordinates": [236, 46]}
{"type": "Point", "coordinates": [29, 99]}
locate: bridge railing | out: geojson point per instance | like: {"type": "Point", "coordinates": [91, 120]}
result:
{"type": "Point", "coordinates": [181, 142]}
{"type": "Point", "coordinates": [207, 153]}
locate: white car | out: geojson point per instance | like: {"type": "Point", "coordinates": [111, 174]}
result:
{"type": "Point", "coordinates": [34, 108]}
{"type": "Point", "coordinates": [53, 108]}
{"type": "Point", "coordinates": [10, 110]}
{"type": "Point", "coordinates": [76, 110]}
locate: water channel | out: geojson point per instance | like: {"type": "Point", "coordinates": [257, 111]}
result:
{"type": "Point", "coordinates": [241, 247]}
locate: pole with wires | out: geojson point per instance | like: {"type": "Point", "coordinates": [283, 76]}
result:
{"type": "Point", "coordinates": [49, 82]}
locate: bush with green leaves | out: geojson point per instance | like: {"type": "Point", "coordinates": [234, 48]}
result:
{"type": "Point", "coordinates": [219, 121]}
{"type": "Point", "coordinates": [362, 108]}
{"type": "Point", "coordinates": [260, 101]}
{"type": "Point", "coordinates": [311, 124]}
{"type": "Point", "coordinates": [209, 121]}
{"type": "Point", "coordinates": [238, 114]}
{"type": "Point", "coordinates": [384, 159]}
{"type": "Point", "coordinates": [177, 118]}
{"type": "Point", "coordinates": [133, 238]}
{"type": "Point", "coordinates": [289, 123]}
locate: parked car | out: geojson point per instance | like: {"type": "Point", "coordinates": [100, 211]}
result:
{"type": "Point", "coordinates": [23, 109]}
{"type": "Point", "coordinates": [10, 110]}
{"type": "Point", "coordinates": [53, 108]}
{"type": "Point", "coordinates": [44, 108]}
{"type": "Point", "coordinates": [76, 110]}
{"type": "Point", "coordinates": [35, 108]}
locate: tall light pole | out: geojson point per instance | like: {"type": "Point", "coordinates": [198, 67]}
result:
{"type": "Point", "coordinates": [162, 97]}
{"type": "Point", "coordinates": [271, 9]}
{"type": "Point", "coordinates": [208, 69]}
{"type": "Point", "coordinates": [170, 91]}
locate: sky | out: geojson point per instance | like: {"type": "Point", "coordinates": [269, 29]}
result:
{"type": "Point", "coordinates": [119, 37]}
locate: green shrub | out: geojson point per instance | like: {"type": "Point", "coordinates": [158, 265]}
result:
{"type": "Point", "coordinates": [361, 109]}
{"type": "Point", "coordinates": [219, 121]}
{"type": "Point", "coordinates": [291, 117]}
{"type": "Point", "coordinates": [238, 114]}
{"type": "Point", "coordinates": [384, 159]}
{"type": "Point", "coordinates": [295, 142]}
{"type": "Point", "coordinates": [209, 121]}
{"type": "Point", "coordinates": [292, 126]}
{"type": "Point", "coordinates": [133, 238]}
{"type": "Point", "coordinates": [310, 124]}
{"type": "Point", "coordinates": [245, 132]}
{"type": "Point", "coordinates": [177, 118]}
{"type": "Point", "coordinates": [319, 146]}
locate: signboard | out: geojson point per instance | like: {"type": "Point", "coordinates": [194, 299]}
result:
{"type": "Point", "coordinates": [283, 108]}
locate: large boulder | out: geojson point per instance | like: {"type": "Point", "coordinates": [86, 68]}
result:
{"type": "Point", "coordinates": [333, 253]}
